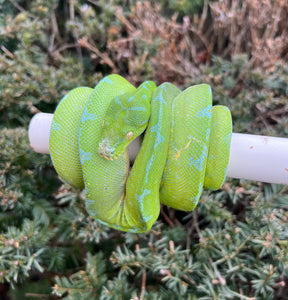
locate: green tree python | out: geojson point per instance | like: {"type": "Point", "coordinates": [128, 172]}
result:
{"type": "Point", "coordinates": [185, 148]}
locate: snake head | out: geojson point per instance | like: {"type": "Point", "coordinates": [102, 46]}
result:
{"type": "Point", "coordinates": [119, 133]}
{"type": "Point", "coordinates": [126, 118]}
{"type": "Point", "coordinates": [111, 147]}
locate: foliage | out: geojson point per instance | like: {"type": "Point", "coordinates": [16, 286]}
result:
{"type": "Point", "coordinates": [255, 27]}
{"type": "Point", "coordinates": [234, 245]}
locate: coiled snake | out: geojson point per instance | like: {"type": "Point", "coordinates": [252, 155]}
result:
{"type": "Point", "coordinates": [185, 148]}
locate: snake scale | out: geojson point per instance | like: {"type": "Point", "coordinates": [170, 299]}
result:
{"type": "Point", "coordinates": [185, 147]}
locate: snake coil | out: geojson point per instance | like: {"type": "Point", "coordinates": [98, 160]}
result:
{"type": "Point", "coordinates": [186, 147]}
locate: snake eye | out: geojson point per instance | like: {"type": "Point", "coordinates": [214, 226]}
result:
{"type": "Point", "coordinates": [129, 135]}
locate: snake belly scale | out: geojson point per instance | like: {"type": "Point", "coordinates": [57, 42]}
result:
{"type": "Point", "coordinates": [186, 147]}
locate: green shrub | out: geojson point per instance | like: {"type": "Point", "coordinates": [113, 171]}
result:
{"type": "Point", "coordinates": [233, 246]}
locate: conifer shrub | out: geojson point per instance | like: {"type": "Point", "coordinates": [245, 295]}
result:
{"type": "Point", "coordinates": [233, 245]}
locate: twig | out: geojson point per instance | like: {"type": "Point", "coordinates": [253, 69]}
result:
{"type": "Point", "coordinates": [189, 231]}
{"type": "Point", "coordinates": [120, 16]}
{"type": "Point", "coordinates": [40, 296]}
{"type": "Point", "coordinates": [195, 223]}
{"type": "Point", "coordinates": [220, 277]}
{"type": "Point", "coordinates": [171, 213]}
{"type": "Point", "coordinates": [273, 113]}
{"type": "Point", "coordinates": [190, 280]}
{"type": "Point", "coordinates": [16, 5]}
{"type": "Point", "coordinates": [83, 42]}
{"type": "Point", "coordinates": [120, 41]}
{"type": "Point", "coordinates": [95, 3]}
{"type": "Point", "coordinates": [71, 10]}
{"type": "Point", "coordinates": [67, 46]}
{"type": "Point", "coordinates": [199, 35]}
{"type": "Point", "coordinates": [143, 285]}
{"type": "Point", "coordinates": [203, 16]}
{"type": "Point", "coordinates": [168, 220]}
{"type": "Point", "coordinates": [51, 45]}
{"type": "Point", "coordinates": [7, 52]}
{"type": "Point", "coordinates": [222, 280]}
{"type": "Point", "coordinates": [143, 59]}
{"type": "Point", "coordinates": [55, 28]}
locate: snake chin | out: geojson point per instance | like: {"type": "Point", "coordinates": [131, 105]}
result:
{"type": "Point", "coordinates": [106, 151]}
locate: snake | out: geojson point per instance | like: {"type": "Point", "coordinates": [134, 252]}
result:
{"type": "Point", "coordinates": [185, 147]}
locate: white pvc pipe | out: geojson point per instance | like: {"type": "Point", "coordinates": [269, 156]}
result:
{"type": "Point", "coordinates": [39, 132]}
{"type": "Point", "coordinates": [259, 158]}
{"type": "Point", "coordinates": [252, 157]}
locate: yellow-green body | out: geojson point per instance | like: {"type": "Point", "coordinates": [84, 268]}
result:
{"type": "Point", "coordinates": [185, 147]}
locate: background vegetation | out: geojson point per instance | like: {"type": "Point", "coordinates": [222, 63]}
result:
{"type": "Point", "coordinates": [234, 245]}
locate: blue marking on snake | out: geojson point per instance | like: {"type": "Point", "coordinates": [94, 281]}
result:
{"type": "Point", "coordinates": [210, 91]}
{"type": "Point", "coordinates": [147, 219]}
{"type": "Point", "coordinates": [102, 222]}
{"type": "Point", "coordinates": [134, 229]}
{"type": "Point", "coordinates": [144, 122]}
{"type": "Point", "coordinates": [144, 85]}
{"type": "Point", "coordinates": [195, 199]}
{"type": "Point", "coordinates": [88, 116]}
{"type": "Point", "coordinates": [118, 101]}
{"type": "Point", "coordinates": [84, 156]}
{"type": "Point", "coordinates": [198, 163]}
{"type": "Point", "coordinates": [137, 108]}
{"type": "Point", "coordinates": [107, 80]}
{"type": "Point", "coordinates": [123, 108]}
{"type": "Point", "coordinates": [160, 98]}
{"type": "Point", "coordinates": [116, 226]}
{"type": "Point", "coordinates": [164, 86]}
{"type": "Point", "coordinates": [80, 133]}
{"type": "Point", "coordinates": [89, 202]}
{"type": "Point", "coordinates": [149, 164]}
{"type": "Point", "coordinates": [159, 138]}
{"type": "Point", "coordinates": [55, 126]}
{"type": "Point", "coordinates": [131, 98]}
{"type": "Point", "coordinates": [204, 113]}
{"type": "Point", "coordinates": [227, 139]}
{"type": "Point", "coordinates": [207, 134]}
{"type": "Point", "coordinates": [140, 198]}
